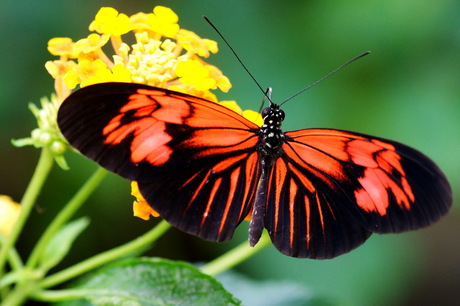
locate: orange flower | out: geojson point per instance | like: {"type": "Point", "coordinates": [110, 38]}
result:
{"type": "Point", "coordinates": [141, 208]}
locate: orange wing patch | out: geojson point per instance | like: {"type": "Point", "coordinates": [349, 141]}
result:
{"type": "Point", "coordinates": [383, 175]}
{"type": "Point", "coordinates": [316, 162]}
{"type": "Point", "coordinates": [217, 141]}
{"type": "Point", "coordinates": [331, 151]}
{"type": "Point", "coordinates": [146, 118]}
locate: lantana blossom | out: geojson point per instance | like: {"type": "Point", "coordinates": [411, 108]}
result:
{"type": "Point", "coordinates": [162, 55]}
{"type": "Point", "coordinates": [9, 213]}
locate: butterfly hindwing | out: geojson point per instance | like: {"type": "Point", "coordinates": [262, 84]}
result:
{"type": "Point", "coordinates": [338, 185]}
{"type": "Point", "coordinates": [209, 197]}
{"type": "Point", "coordinates": [195, 161]}
{"type": "Point", "coordinates": [302, 217]}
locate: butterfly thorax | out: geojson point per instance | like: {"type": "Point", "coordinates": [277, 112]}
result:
{"type": "Point", "coordinates": [271, 136]}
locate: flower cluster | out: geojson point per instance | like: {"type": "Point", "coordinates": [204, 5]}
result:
{"type": "Point", "coordinates": [162, 55]}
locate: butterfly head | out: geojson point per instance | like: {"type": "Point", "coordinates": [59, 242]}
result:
{"type": "Point", "coordinates": [273, 113]}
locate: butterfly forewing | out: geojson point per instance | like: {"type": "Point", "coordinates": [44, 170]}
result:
{"type": "Point", "coordinates": [130, 128]}
{"type": "Point", "coordinates": [195, 161]}
{"type": "Point", "coordinates": [384, 185]}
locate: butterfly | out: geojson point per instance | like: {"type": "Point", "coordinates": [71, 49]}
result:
{"type": "Point", "coordinates": [204, 168]}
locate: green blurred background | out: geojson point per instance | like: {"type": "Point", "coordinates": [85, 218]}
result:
{"type": "Point", "coordinates": [408, 90]}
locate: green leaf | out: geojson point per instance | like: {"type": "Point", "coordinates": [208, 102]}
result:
{"type": "Point", "coordinates": [151, 281]}
{"type": "Point", "coordinates": [60, 244]}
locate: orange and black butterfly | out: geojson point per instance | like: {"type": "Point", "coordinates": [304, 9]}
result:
{"type": "Point", "coordinates": [204, 168]}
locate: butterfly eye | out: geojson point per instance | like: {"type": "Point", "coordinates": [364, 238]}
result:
{"type": "Point", "coordinates": [266, 112]}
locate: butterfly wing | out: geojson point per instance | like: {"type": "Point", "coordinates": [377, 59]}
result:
{"type": "Point", "coordinates": [331, 189]}
{"type": "Point", "coordinates": [195, 161]}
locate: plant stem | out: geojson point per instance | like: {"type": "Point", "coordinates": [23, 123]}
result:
{"type": "Point", "coordinates": [42, 170]}
{"type": "Point", "coordinates": [14, 259]}
{"type": "Point", "coordinates": [235, 256]}
{"type": "Point", "coordinates": [65, 214]}
{"type": "Point", "coordinates": [107, 256]}
{"type": "Point", "coordinates": [64, 294]}
{"type": "Point", "coordinates": [18, 297]}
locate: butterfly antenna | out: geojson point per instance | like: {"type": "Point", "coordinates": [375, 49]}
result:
{"type": "Point", "coordinates": [238, 58]}
{"type": "Point", "coordinates": [326, 76]}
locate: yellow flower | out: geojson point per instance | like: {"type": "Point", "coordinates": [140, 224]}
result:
{"type": "Point", "coordinates": [248, 114]}
{"type": "Point", "coordinates": [120, 74]}
{"type": "Point", "coordinates": [163, 55]}
{"type": "Point", "coordinates": [108, 21]}
{"type": "Point", "coordinates": [232, 105]}
{"type": "Point", "coordinates": [61, 46]}
{"type": "Point", "coordinates": [141, 208]}
{"type": "Point", "coordinates": [201, 76]}
{"type": "Point", "coordinates": [59, 68]}
{"type": "Point", "coordinates": [222, 82]}
{"type": "Point", "coordinates": [163, 21]}
{"type": "Point", "coordinates": [9, 213]}
{"type": "Point", "coordinates": [194, 73]}
{"type": "Point", "coordinates": [195, 44]}
{"type": "Point", "coordinates": [93, 72]}
{"type": "Point", "coordinates": [85, 71]}
{"type": "Point", "coordinates": [94, 42]}
{"type": "Point", "coordinates": [139, 22]}
{"type": "Point", "coordinates": [253, 116]}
